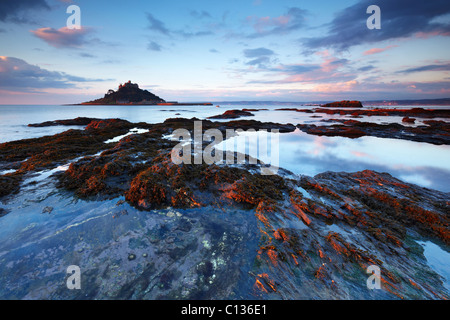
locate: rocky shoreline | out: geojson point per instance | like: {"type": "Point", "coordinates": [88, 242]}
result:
{"type": "Point", "coordinates": [434, 132]}
{"type": "Point", "coordinates": [280, 236]}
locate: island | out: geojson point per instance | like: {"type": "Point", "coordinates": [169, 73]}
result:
{"type": "Point", "coordinates": [130, 94]}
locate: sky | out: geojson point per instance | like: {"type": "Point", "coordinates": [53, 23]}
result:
{"type": "Point", "coordinates": [235, 50]}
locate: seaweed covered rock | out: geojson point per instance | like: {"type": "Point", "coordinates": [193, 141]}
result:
{"type": "Point", "coordinates": [79, 121]}
{"type": "Point", "coordinates": [233, 114]}
{"type": "Point", "coordinates": [9, 184]}
{"type": "Point", "coordinates": [435, 132]}
{"type": "Point", "coordinates": [344, 104]}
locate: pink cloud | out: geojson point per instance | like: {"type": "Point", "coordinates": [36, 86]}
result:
{"type": "Point", "coordinates": [293, 20]}
{"type": "Point", "coordinates": [378, 50]}
{"type": "Point", "coordinates": [63, 37]}
{"type": "Point", "coordinates": [360, 154]}
{"type": "Point", "coordinates": [426, 35]}
{"type": "Point", "coordinates": [264, 23]}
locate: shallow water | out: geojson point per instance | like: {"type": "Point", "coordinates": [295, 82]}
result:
{"type": "Point", "coordinates": [37, 246]}
{"type": "Point", "coordinates": [438, 259]}
{"type": "Point", "coordinates": [423, 164]}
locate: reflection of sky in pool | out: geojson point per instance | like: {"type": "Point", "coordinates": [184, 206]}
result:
{"type": "Point", "coordinates": [438, 260]}
{"type": "Point", "coordinates": [423, 164]}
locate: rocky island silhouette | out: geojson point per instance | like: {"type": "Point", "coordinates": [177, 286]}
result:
{"type": "Point", "coordinates": [130, 94]}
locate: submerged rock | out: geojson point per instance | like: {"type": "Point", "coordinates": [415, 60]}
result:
{"type": "Point", "coordinates": [47, 210]}
{"type": "Point", "coordinates": [80, 121]}
{"type": "Point", "coordinates": [3, 212]}
{"type": "Point", "coordinates": [233, 114]}
{"type": "Point", "coordinates": [408, 120]}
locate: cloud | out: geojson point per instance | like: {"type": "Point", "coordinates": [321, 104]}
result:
{"type": "Point", "coordinates": [63, 37]}
{"type": "Point", "coordinates": [186, 34]}
{"type": "Point", "coordinates": [153, 46]}
{"type": "Point", "coordinates": [18, 75]}
{"type": "Point", "coordinates": [294, 69]}
{"type": "Point", "coordinates": [260, 62]}
{"type": "Point", "coordinates": [258, 52]}
{"type": "Point", "coordinates": [327, 72]}
{"type": "Point", "coordinates": [366, 68]}
{"type": "Point", "coordinates": [429, 67]}
{"type": "Point", "coordinates": [16, 11]}
{"type": "Point", "coordinates": [259, 57]}
{"type": "Point", "coordinates": [377, 50]}
{"type": "Point", "coordinates": [399, 19]}
{"type": "Point", "coordinates": [86, 55]}
{"type": "Point", "coordinates": [157, 25]}
{"type": "Point", "coordinates": [200, 14]}
{"type": "Point", "coordinates": [293, 20]}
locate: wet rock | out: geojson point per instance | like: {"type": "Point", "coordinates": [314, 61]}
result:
{"type": "Point", "coordinates": [344, 104]}
{"type": "Point", "coordinates": [80, 121]}
{"type": "Point", "coordinates": [3, 212]}
{"type": "Point", "coordinates": [331, 131]}
{"type": "Point", "coordinates": [413, 112]}
{"type": "Point", "coordinates": [120, 202]}
{"type": "Point", "coordinates": [232, 114]}
{"type": "Point", "coordinates": [435, 132]}
{"type": "Point", "coordinates": [10, 184]}
{"type": "Point", "coordinates": [253, 110]}
{"type": "Point", "coordinates": [408, 120]}
{"type": "Point", "coordinates": [47, 210]}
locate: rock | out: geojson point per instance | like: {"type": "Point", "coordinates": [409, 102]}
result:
{"type": "Point", "coordinates": [436, 132]}
{"type": "Point", "coordinates": [416, 112]}
{"type": "Point", "coordinates": [131, 256]}
{"type": "Point", "coordinates": [3, 212]}
{"type": "Point", "coordinates": [232, 114]}
{"type": "Point", "coordinates": [120, 202]}
{"type": "Point", "coordinates": [9, 184]}
{"type": "Point", "coordinates": [47, 210]}
{"type": "Point", "coordinates": [408, 120]}
{"type": "Point", "coordinates": [80, 121]}
{"type": "Point", "coordinates": [344, 104]}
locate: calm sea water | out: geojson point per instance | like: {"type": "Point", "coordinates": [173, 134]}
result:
{"type": "Point", "coordinates": [424, 164]}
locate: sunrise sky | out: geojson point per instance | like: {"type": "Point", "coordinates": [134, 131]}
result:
{"type": "Point", "coordinates": [224, 50]}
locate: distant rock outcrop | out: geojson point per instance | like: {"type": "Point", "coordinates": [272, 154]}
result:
{"type": "Point", "coordinates": [128, 93]}
{"type": "Point", "coordinates": [344, 104]}
{"type": "Point", "coordinates": [232, 114]}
